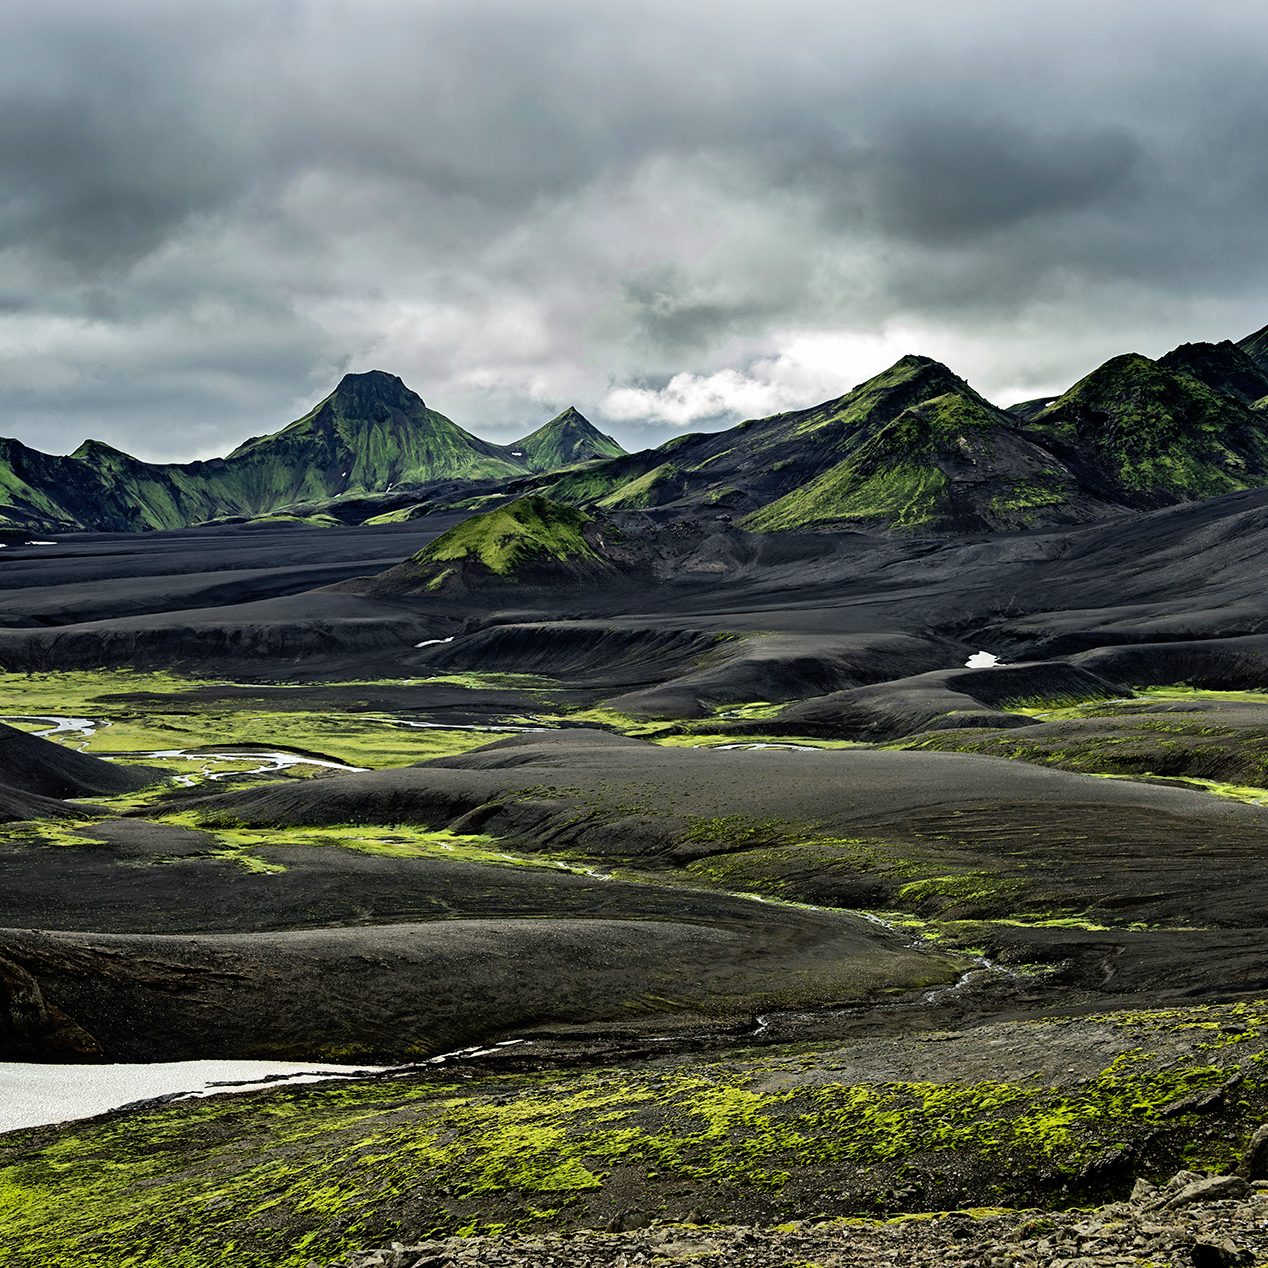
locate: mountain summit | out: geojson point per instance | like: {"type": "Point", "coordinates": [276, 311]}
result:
{"type": "Point", "coordinates": [567, 439]}
{"type": "Point", "coordinates": [369, 434]}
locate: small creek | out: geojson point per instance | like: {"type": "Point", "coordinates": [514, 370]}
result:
{"type": "Point", "coordinates": [59, 724]}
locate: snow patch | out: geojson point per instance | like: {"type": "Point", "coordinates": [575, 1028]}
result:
{"type": "Point", "coordinates": [431, 642]}
{"type": "Point", "coordinates": [982, 660]}
{"type": "Point", "coordinates": [32, 1094]}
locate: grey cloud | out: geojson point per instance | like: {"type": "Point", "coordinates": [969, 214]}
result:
{"type": "Point", "coordinates": [206, 212]}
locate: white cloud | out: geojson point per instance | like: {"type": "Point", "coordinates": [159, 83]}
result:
{"type": "Point", "coordinates": [810, 366]}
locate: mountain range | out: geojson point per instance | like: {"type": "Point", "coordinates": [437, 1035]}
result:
{"type": "Point", "coordinates": [914, 449]}
{"type": "Point", "coordinates": [369, 438]}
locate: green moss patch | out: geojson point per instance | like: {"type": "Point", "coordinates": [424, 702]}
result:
{"type": "Point", "coordinates": [282, 1178]}
{"type": "Point", "coordinates": [505, 539]}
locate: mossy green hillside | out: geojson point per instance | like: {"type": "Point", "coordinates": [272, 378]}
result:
{"type": "Point", "coordinates": [148, 713]}
{"type": "Point", "coordinates": [503, 541]}
{"type": "Point", "coordinates": [308, 1174]}
{"type": "Point", "coordinates": [906, 472]}
{"type": "Point", "coordinates": [1160, 433]}
{"type": "Point", "coordinates": [906, 495]}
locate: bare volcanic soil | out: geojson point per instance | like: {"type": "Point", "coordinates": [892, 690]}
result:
{"type": "Point", "coordinates": [788, 913]}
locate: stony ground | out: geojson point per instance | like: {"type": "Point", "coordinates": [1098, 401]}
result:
{"type": "Point", "coordinates": [1192, 1221]}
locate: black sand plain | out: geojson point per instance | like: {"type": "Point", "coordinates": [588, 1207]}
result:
{"type": "Point", "coordinates": [1117, 887]}
{"type": "Point", "coordinates": [775, 907]}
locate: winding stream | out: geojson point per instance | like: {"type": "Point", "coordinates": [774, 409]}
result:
{"type": "Point", "coordinates": [60, 725]}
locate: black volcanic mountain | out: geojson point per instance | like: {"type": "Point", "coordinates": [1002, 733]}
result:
{"type": "Point", "coordinates": [33, 765]}
{"type": "Point", "coordinates": [569, 438]}
{"type": "Point", "coordinates": [1223, 367]}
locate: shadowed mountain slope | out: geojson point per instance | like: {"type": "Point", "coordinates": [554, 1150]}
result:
{"type": "Point", "coordinates": [30, 764]}
{"type": "Point", "coordinates": [1223, 367]}
{"type": "Point", "coordinates": [1144, 435]}
{"type": "Point", "coordinates": [1256, 347]}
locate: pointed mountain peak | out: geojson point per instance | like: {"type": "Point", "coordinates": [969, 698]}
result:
{"type": "Point", "coordinates": [570, 419]}
{"type": "Point", "coordinates": [568, 438]}
{"type": "Point", "coordinates": [914, 361]}
{"type": "Point", "coordinates": [913, 372]}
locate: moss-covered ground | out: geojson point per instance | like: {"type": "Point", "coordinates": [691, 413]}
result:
{"type": "Point", "coordinates": [1199, 738]}
{"type": "Point", "coordinates": [140, 713]}
{"type": "Point", "coordinates": [306, 1174]}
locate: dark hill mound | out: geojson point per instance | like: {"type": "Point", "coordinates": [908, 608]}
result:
{"type": "Point", "coordinates": [529, 543]}
{"type": "Point", "coordinates": [31, 764]}
{"type": "Point", "coordinates": [16, 806]}
{"type": "Point", "coordinates": [945, 698]}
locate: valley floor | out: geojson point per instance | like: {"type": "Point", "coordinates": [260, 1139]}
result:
{"type": "Point", "coordinates": [761, 909]}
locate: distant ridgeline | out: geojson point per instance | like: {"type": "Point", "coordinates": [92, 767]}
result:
{"type": "Point", "coordinates": [914, 449]}
{"type": "Point", "coordinates": [370, 438]}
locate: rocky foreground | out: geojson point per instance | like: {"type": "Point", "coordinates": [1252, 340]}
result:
{"type": "Point", "coordinates": [1192, 1221]}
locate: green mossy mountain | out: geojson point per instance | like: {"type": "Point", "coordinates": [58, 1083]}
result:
{"type": "Point", "coordinates": [370, 435]}
{"type": "Point", "coordinates": [953, 463]}
{"type": "Point", "coordinates": [758, 462]}
{"type": "Point", "coordinates": [1145, 435]}
{"type": "Point", "coordinates": [569, 438]}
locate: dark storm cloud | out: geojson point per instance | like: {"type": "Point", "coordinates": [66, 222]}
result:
{"type": "Point", "coordinates": [671, 214]}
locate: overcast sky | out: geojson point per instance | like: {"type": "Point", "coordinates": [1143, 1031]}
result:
{"type": "Point", "coordinates": [674, 215]}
